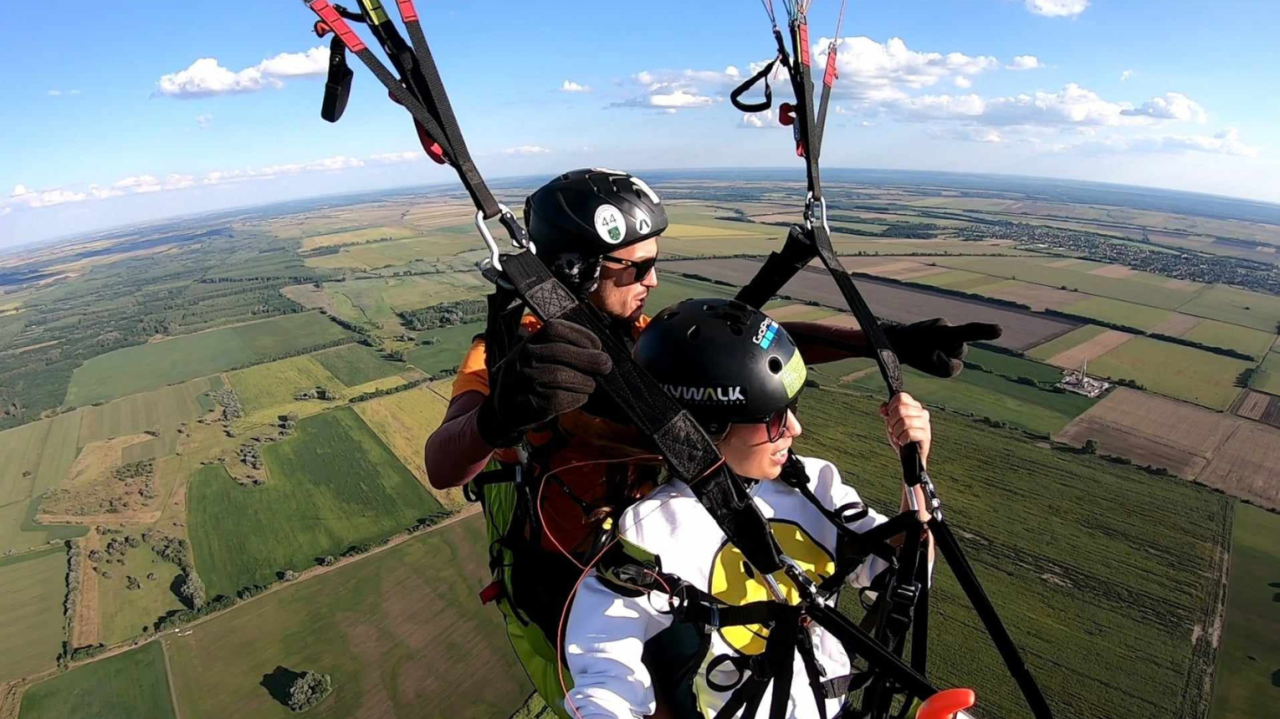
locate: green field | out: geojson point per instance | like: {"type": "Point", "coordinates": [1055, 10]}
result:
{"type": "Point", "coordinates": [1100, 572]}
{"type": "Point", "coordinates": [1267, 377]}
{"type": "Point", "coordinates": [1013, 366]}
{"type": "Point", "coordinates": [400, 252]}
{"type": "Point", "coordinates": [34, 585]}
{"type": "Point", "coordinates": [378, 300]}
{"type": "Point", "coordinates": [1183, 372]}
{"type": "Point", "coordinates": [961, 280]}
{"type": "Point", "coordinates": [401, 633]}
{"type": "Point", "coordinates": [1240, 307]}
{"type": "Point", "coordinates": [1245, 683]}
{"type": "Point", "coordinates": [264, 386]}
{"type": "Point", "coordinates": [35, 457]}
{"type": "Point", "coordinates": [132, 684]}
{"type": "Point", "coordinates": [333, 485]}
{"type": "Point", "coordinates": [673, 288]}
{"type": "Point", "coordinates": [1074, 338]}
{"type": "Point", "coordinates": [1220, 334]}
{"type": "Point", "coordinates": [988, 395]}
{"type": "Point", "coordinates": [356, 364]}
{"type": "Point", "coordinates": [122, 612]}
{"type": "Point", "coordinates": [1119, 313]}
{"type": "Point", "coordinates": [150, 366]}
{"type": "Point", "coordinates": [447, 352]}
{"type": "Point", "coordinates": [1140, 287]}
{"type": "Point", "coordinates": [162, 409]}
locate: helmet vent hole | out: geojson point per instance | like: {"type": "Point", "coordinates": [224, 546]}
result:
{"type": "Point", "coordinates": [672, 315]}
{"type": "Point", "coordinates": [693, 333]}
{"type": "Point", "coordinates": [775, 365]}
{"type": "Point", "coordinates": [736, 330]}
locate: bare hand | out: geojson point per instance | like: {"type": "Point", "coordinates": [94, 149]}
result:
{"type": "Point", "coordinates": [906, 421]}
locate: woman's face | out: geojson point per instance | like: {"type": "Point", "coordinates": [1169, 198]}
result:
{"type": "Point", "coordinates": [749, 453]}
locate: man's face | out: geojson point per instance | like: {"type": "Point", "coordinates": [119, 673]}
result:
{"type": "Point", "coordinates": [621, 293]}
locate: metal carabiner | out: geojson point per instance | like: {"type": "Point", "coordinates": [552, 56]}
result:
{"type": "Point", "coordinates": [509, 219]}
{"type": "Point", "coordinates": [809, 207]}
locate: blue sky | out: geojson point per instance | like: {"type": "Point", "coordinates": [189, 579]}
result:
{"type": "Point", "coordinates": [136, 110]}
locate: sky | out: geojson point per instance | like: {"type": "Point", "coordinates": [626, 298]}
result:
{"type": "Point", "coordinates": [132, 111]}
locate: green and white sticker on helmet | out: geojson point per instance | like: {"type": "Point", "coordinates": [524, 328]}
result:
{"type": "Point", "coordinates": [793, 374]}
{"type": "Point", "coordinates": [610, 224]}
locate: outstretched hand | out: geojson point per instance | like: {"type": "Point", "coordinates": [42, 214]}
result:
{"type": "Point", "coordinates": [936, 346]}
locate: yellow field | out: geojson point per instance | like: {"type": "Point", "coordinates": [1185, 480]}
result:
{"type": "Point", "coordinates": [371, 234]}
{"type": "Point", "coordinates": [404, 420]}
{"type": "Point", "coordinates": [400, 252]}
{"type": "Point", "coordinates": [264, 388]}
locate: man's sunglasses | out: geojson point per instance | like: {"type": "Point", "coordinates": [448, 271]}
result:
{"type": "Point", "coordinates": [775, 423]}
{"type": "Point", "coordinates": [642, 267]}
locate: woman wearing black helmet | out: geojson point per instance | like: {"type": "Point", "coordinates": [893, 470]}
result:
{"type": "Point", "coordinates": [738, 372]}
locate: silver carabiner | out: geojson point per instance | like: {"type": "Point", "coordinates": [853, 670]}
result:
{"type": "Point", "coordinates": [809, 207]}
{"type": "Point", "coordinates": [494, 253]}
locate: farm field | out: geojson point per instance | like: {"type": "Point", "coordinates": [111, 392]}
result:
{"type": "Point", "coordinates": [355, 364]}
{"type": "Point", "coordinates": [1264, 408]}
{"type": "Point", "coordinates": [374, 255]}
{"type": "Point", "coordinates": [903, 304]}
{"type": "Point", "coordinates": [162, 409]}
{"type": "Point", "coordinates": [1152, 430]}
{"type": "Point", "coordinates": [378, 300]}
{"type": "Point", "coordinates": [1245, 465]}
{"type": "Point", "coordinates": [1137, 287]}
{"type": "Point", "coordinates": [1239, 307]}
{"type": "Point", "coordinates": [31, 603]}
{"type": "Point", "coordinates": [1069, 341]}
{"type": "Point", "coordinates": [1013, 366]}
{"type": "Point", "coordinates": [151, 366]}
{"type": "Point", "coordinates": [988, 395]}
{"type": "Point", "coordinates": [404, 421]}
{"type": "Point", "coordinates": [1183, 372]}
{"type": "Point", "coordinates": [1120, 313]}
{"type": "Point", "coordinates": [37, 456]}
{"type": "Point", "coordinates": [1130, 563]}
{"type": "Point", "coordinates": [1221, 334]}
{"type": "Point", "coordinates": [1267, 377]}
{"type": "Point", "coordinates": [132, 684]}
{"type": "Point", "coordinates": [333, 485]}
{"type": "Point", "coordinates": [446, 353]}
{"type": "Point", "coordinates": [1245, 682]}
{"type": "Point", "coordinates": [1090, 350]}
{"type": "Point", "coordinates": [369, 234]}
{"type": "Point", "coordinates": [123, 612]}
{"type": "Point", "coordinates": [266, 386]}
{"type": "Point", "coordinates": [398, 631]}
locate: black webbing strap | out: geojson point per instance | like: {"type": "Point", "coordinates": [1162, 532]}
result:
{"type": "Point", "coordinates": [767, 102]}
{"type": "Point", "coordinates": [690, 453]}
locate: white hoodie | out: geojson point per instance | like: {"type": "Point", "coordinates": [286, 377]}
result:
{"type": "Point", "coordinates": [606, 632]}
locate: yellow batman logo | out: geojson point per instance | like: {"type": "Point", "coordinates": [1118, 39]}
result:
{"type": "Point", "coordinates": [735, 582]}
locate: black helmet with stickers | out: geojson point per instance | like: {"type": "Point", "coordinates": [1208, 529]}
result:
{"type": "Point", "coordinates": [723, 361]}
{"type": "Point", "coordinates": [584, 214]}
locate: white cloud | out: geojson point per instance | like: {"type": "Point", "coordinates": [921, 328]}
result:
{"type": "Point", "coordinates": [526, 150]}
{"type": "Point", "coordinates": [395, 158]}
{"type": "Point", "coordinates": [206, 77]}
{"type": "Point", "coordinates": [60, 93]}
{"type": "Point", "coordinates": [5, 210]}
{"type": "Point", "coordinates": [45, 198]}
{"type": "Point", "coordinates": [939, 107]}
{"type": "Point", "coordinates": [963, 82]}
{"type": "Point", "coordinates": [1172, 106]}
{"type": "Point", "coordinates": [1057, 8]}
{"type": "Point", "coordinates": [978, 134]}
{"type": "Point", "coordinates": [19, 191]}
{"type": "Point", "coordinates": [1226, 142]}
{"type": "Point", "coordinates": [204, 120]}
{"type": "Point", "coordinates": [571, 86]}
{"type": "Point", "coordinates": [1073, 105]}
{"type": "Point", "coordinates": [1024, 62]}
{"type": "Point", "coordinates": [138, 184]}
{"type": "Point", "coordinates": [768, 120]}
{"type": "Point", "coordinates": [875, 72]}
{"type": "Point", "coordinates": [1124, 76]}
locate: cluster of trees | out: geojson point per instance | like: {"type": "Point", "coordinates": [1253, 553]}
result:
{"type": "Point", "coordinates": [308, 690]}
{"type": "Point", "coordinates": [180, 617]}
{"type": "Point", "coordinates": [296, 353]}
{"type": "Point", "coordinates": [445, 314]}
{"type": "Point", "coordinates": [911, 230]}
{"type": "Point", "coordinates": [363, 396]}
{"type": "Point", "coordinates": [74, 555]}
{"type": "Point", "coordinates": [176, 550]}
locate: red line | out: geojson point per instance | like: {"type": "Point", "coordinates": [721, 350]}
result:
{"type": "Point", "coordinates": [408, 12]}
{"type": "Point", "coordinates": [830, 78]}
{"type": "Point", "coordinates": [804, 43]}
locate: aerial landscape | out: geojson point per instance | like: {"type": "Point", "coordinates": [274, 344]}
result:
{"type": "Point", "coordinates": [213, 494]}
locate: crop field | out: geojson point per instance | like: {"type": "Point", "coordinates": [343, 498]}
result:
{"type": "Point", "coordinates": [1139, 287]}
{"type": "Point", "coordinates": [266, 386]}
{"type": "Point", "coordinates": [1127, 561]}
{"type": "Point", "coordinates": [1220, 334]}
{"type": "Point", "coordinates": [151, 366]}
{"type": "Point", "coordinates": [370, 234]}
{"type": "Point", "coordinates": [1069, 341]}
{"type": "Point", "coordinates": [31, 604]}
{"type": "Point", "coordinates": [962, 280]}
{"type": "Point", "coordinates": [989, 395]}
{"type": "Point", "coordinates": [1037, 297]}
{"type": "Point", "coordinates": [404, 421]}
{"type": "Point", "coordinates": [1181, 372]}
{"type": "Point", "coordinates": [1152, 430]}
{"type": "Point", "coordinates": [333, 485]}
{"type": "Point", "coordinates": [1013, 366]}
{"type": "Point", "coordinates": [123, 612]}
{"type": "Point", "coordinates": [400, 252]}
{"type": "Point", "coordinates": [1120, 313]}
{"type": "Point", "coordinates": [378, 300]}
{"type": "Point", "coordinates": [1090, 350]}
{"type": "Point", "coordinates": [446, 353]}
{"type": "Point", "coordinates": [355, 364]}
{"type": "Point", "coordinates": [1264, 408]}
{"type": "Point", "coordinates": [1245, 465]}
{"type": "Point", "coordinates": [1267, 377]}
{"type": "Point", "coordinates": [36, 456]}
{"type": "Point", "coordinates": [162, 409]}
{"type": "Point", "coordinates": [903, 304]}
{"type": "Point", "coordinates": [1245, 682]}
{"type": "Point", "coordinates": [400, 632]}
{"type": "Point", "coordinates": [1240, 307]}
{"type": "Point", "coordinates": [132, 684]}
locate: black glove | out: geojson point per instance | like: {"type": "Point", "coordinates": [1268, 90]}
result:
{"type": "Point", "coordinates": [936, 346]}
{"type": "Point", "coordinates": [547, 375]}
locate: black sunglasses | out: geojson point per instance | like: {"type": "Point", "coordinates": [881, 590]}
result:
{"type": "Point", "coordinates": [777, 422]}
{"type": "Point", "coordinates": [642, 267]}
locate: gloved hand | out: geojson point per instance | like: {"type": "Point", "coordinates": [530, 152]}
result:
{"type": "Point", "coordinates": [936, 346]}
{"type": "Point", "coordinates": [547, 375]}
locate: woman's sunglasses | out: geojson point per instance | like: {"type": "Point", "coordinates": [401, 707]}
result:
{"type": "Point", "coordinates": [777, 422]}
{"type": "Point", "coordinates": [642, 267]}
